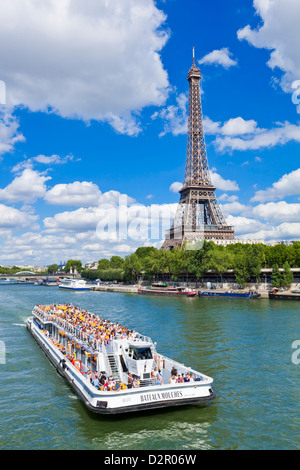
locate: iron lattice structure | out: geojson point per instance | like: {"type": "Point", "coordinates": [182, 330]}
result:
{"type": "Point", "coordinates": [198, 215]}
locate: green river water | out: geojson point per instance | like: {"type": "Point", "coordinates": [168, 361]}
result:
{"type": "Point", "coordinates": [246, 345]}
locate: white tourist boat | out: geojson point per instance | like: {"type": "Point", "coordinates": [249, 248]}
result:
{"type": "Point", "coordinates": [74, 284]}
{"type": "Point", "coordinates": [119, 373]}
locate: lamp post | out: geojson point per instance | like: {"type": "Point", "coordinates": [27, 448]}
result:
{"type": "Point", "coordinates": [265, 281]}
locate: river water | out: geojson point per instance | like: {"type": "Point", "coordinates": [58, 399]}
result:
{"type": "Point", "coordinates": [246, 345]}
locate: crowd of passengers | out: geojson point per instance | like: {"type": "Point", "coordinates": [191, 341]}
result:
{"type": "Point", "coordinates": [104, 331]}
{"type": "Point", "coordinates": [104, 383]}
{"type": "Point", "coordinates": [94, 327]}
{"type": "Point", "coordinates": [175, 377]}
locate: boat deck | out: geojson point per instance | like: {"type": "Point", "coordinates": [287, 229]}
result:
{"type": "Point", "coordinates": [113, 369]}
{"type": "Point", "coordinates": [81, 336]}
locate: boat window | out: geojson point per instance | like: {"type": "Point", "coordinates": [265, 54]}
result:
{"type": "Point", "coordinates": [38, 323]}
{"type": "Point", "coordinates": [140, 353]}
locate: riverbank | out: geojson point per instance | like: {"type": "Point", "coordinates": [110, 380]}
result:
{"type": "Point", "coordinates": [133, 289]}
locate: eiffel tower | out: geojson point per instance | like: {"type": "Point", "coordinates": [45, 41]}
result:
{"type": "Point", "coordinates": [198, 215]}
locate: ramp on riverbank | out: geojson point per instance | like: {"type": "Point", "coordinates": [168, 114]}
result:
{"type": "Point", "coordinates": [116, 288]}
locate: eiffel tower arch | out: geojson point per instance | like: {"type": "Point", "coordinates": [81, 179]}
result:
{"type": "Point", "coordinates": [198, 215]}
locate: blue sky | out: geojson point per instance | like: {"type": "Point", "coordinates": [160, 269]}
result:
{"type": "Point", "coordinates": [95, 107]}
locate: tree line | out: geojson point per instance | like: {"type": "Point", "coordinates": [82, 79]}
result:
{"type": "Point", "coordinates": [9, 271]}
{"type": "Point", "coordinates": [245, 260]}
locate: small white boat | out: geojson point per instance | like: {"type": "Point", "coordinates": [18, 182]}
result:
{"type": "Point", "coordinates": [111, 368]}
{"type": "Point", "coordinates": [7, 281]}
{"type": "Point", "coordinates": [74, 284]}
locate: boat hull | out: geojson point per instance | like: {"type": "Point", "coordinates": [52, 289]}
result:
{"type": "Point", "coordinates": [284, 296]}
{"type": "Point", "coordinates": [123, 401]}
{"type": "Point", "coordinates": [74, 288]}
{"type": "Point", "coordinates": [228, 294]}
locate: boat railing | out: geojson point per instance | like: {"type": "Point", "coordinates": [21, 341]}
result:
{"type": "Point", "coordinates": [143, 338]}
{"type": "Point", "coordinates": [147, 382]}
{"type": "Point", "coordinates": [142, 382]}
{"type": "Point", "coordinates": [181, 368]}
{"type": "Point", "coordinates": [164, 363]}
{"type": "Point", "coordinates": [68, 327]}
{"type": "Point", "coordinates": [81, 335]}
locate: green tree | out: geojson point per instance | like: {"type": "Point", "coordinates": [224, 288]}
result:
{"type": "Point", "coordinates": [219, 261]}
{"type": "Point", "coordinates": [163, 261]}
{"type": "Point", "coordinates": [255, 257]}
{"type": "Point", "coordinates": [73, 264]}
{"type": "Point", "coordinates": [111, 275]}
{"type": "Point", "coordinates": [295, 255]}
{"type": "Point", "coordinates": [12, 270]}
{"type": "Point", "coordinates": [145, 251]}
{"type": "Point", "coordinates": [240, 267]}
{"type": "Point", "coordinates": [287, 275]}
{"type": "Point", "coordinates": [103, 263]}
{"type": "Point", "coordinates": [177, 259]}
{"type": "Point", "coordinates": [52, 269]}
{"type": "Point", "coordinates": [152, 264]}
{"type": "Point", "coordinates": [276, 276]}
{"type": "Point", "coordinates": [116, 262]}
{"type": "Point", "coordinates": [279, 254]}
{"type": "Point", "coordinates": [197, 261]}
{"type": "Point", "coordinates": [132, 267]}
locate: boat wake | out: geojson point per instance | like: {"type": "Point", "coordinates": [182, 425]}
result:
{"type": "Point", "coordinates": [73, 397]}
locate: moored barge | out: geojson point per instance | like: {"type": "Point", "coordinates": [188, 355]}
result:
{"type": "Point", "coordinates": [111, 368]}
{"type": "Point", "coordinates": [284, 296]}
{"type": "Point", "coordinates": [165, 290]}
{"type": "Point", "coordinates": [240, 295]}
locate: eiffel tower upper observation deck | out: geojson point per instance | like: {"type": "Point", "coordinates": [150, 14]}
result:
{"type": "Point", "coordinates": [198, 215]}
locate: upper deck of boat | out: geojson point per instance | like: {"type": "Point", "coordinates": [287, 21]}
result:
{"type": "Point", "coordinates": [96, 335]}
{"type": "Point", "coordinates": [87, 326]}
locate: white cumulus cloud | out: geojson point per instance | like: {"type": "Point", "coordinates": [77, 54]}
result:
{"type": "Point", "coordinates": [14, 219]}
{"type": "Point", "coordinates": [278, 211]}
{"type": "Point", "coordinates": [287, 185]}
{"type": "Point", "coordinates": [26, 188]}
{"type": "Point", "coordinates": [278, 33]}
{"type": "Point", "coordinates": [9, 133]}
{"type": "Point", "coordinates": [219, 57]}
{"type": "Point", "coordinates": [74, 194]}
{"type": "Point", "coordinates": [175, 187]}
{"type": "Point", "coordinates": [95, 59]}
{"type": "Point", "coordinates": [238, 126]}
{"type": "Point", "coordinates": [174, 117]}
{"type": "Point", "coordinates": [42, 159]}
{"type": "Point", "coordinates": [223, 184]}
